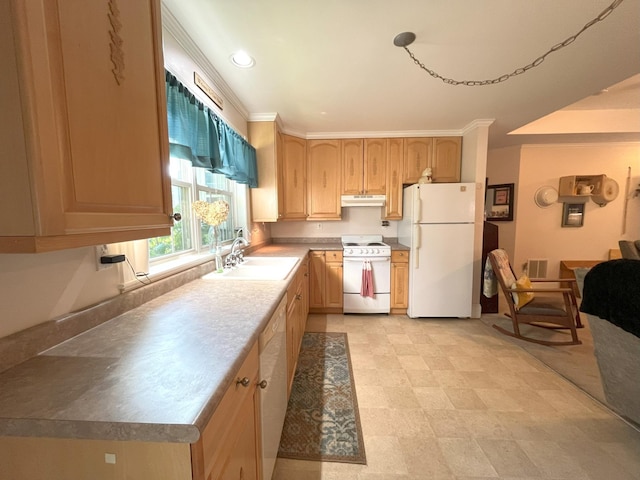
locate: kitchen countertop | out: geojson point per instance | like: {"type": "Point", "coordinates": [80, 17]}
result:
{"type": "Point", "coordinates": [154, 373]}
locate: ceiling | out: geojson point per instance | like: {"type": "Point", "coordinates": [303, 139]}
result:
{"type": "Point", "coordinates": [329, 68]}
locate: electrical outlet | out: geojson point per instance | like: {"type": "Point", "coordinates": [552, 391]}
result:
{"type": "Point", "coordinates": [100, 251]}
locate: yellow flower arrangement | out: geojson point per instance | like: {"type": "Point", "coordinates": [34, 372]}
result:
{"type": "Point", "coordinates": [211, 213]}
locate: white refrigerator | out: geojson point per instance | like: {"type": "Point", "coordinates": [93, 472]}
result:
{"type": "Point", "coordinates": [438, 226]}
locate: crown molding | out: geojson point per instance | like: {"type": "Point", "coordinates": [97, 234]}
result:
{"type": "Point", "coordinates": [392, 134]}
{"type": "Point", "coordinates": [263, 117]}
{"type": "Point", "coordinates": [171, 24]}
{"type": "Point", "coordinates": [267, 117]}
{"type": "Point", "coordinates": [480, 122]}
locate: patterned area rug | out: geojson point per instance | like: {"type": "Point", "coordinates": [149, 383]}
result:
{"type": "Point", "coordinates": [322, 421]}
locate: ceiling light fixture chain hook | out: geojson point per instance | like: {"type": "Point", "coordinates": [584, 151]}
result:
{"type": "Point", "coordinates": [404, 41]}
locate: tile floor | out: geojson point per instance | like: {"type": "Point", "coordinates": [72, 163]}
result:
{"type": "Point", "coordinates": [453, 399]}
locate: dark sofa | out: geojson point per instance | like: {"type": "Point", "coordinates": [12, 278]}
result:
{"type": "Point", "coordinates": [611, 300]}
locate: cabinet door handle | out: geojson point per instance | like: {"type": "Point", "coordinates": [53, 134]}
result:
{"type": "Point", "coordinates": [263, 384]}
{"type": "Point", "coordinates": [176, 216]}
{"type": "Point", "coordinates": [244, 381]}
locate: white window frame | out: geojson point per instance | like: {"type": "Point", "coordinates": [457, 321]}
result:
{"type": "Point", "coordinates": [157, 268]}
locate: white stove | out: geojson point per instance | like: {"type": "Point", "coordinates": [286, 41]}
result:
{"type": "Point", "coordinates": [366, 256]}
{"type": "Point", "coordinates": [364, 246]}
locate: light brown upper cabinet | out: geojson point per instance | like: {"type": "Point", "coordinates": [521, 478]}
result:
{"type": "Point", "coordinates": [442, 154]}
{"type": "Point", "coordinates": [281, 192]}
{"type": "Point", "coordinates": [364, 166]}
{"type": "Point", "coordinates": [85, 154]}
{"type": "Point", "coordinates": [418, 154]}
{"type": "Point", "coordinates": [294, 178]}
{"type": "Point", "coordinates": [324, 185]}
{"type": "Point", "coordinates": [268, 198]}
{"type": "Point", "coordinates": [352, 166]}
{"type": "Point", "coordinates": [375, 166]}
{"type": "Point", "coordinates": [447, 157]}
{"type": "Point", "coordinates": [393, 204]}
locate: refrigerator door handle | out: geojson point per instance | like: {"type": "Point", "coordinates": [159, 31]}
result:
{"type": "Point", "coordinates": [417, 206]}
{"type": "Point", "coordinates": [416, 243]}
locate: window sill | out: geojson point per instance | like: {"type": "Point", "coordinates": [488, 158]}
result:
{"type": "Point", "coordinates": [165, 269]}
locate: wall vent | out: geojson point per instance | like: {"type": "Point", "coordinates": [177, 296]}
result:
{"type": "Point", "coordinates": [537, 267]}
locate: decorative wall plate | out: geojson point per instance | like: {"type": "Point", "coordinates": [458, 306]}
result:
{"type": "Point", "coordinates": [545, 196]}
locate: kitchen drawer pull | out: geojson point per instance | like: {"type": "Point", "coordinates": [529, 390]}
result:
{"type": "Point", "coordinates": [244, 382]}
{"type": "Point", "coordinates": [263, 384]}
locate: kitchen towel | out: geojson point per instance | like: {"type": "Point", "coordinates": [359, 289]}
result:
{"type": "Point", "coordinates": [366, 288]}
{"type": "Point", "coordinates": [490, 282]}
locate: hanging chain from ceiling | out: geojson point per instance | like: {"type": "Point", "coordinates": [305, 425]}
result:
{"type": "Point", "coordinates": [476, 83]}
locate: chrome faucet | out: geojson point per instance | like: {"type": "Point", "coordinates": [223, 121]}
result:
{"type": "Point", "coordinates": [236, 256]}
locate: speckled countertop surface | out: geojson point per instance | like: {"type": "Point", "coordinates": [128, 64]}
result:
{"type": "Point", "coordinates": [155, 373]}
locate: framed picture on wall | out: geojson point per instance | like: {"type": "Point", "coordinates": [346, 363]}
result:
{"type": "Point", "coordinates": [573, 215]}
{"type": "Point", "coordinates": [501, 196]}
{"type": "Point", "coordinates": [499, 203]}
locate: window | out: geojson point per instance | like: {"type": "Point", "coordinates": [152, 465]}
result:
{"type": "Point", "coordinates": [190, 235]}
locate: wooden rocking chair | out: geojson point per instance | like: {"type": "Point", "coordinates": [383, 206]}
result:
{"type": "Point", "coordinates": [556, 309]}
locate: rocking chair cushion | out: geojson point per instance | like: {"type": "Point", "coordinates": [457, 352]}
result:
{"type": "Point", "coordinates": [520, 299]}
{"type": "Point", "coordinates": [543, 306]}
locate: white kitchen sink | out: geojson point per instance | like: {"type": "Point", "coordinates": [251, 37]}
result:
{"type": "Point", "coordinates": [258, 268]}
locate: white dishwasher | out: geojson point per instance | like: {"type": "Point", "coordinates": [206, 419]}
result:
{"type": "Point", "coordinates": [273, 381]}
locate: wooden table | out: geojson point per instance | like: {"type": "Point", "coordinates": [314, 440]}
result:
{"type": "Point", "coordinates": [567, 267]}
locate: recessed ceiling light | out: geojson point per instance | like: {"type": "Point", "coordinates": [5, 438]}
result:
{"type": "Point", "coordinates": [242, 59]}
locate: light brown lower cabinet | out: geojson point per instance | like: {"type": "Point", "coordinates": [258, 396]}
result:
{"type": "Point", "coordinates": [297, 310]}
{"type": "Point", "coordinates": [36, 458]}
{"type": "Point", "coordinates": [229, 447]}
{"type": "Point", "coordinates": [325, 281]}
{"type": "Point", "coordinates": [399, 282]}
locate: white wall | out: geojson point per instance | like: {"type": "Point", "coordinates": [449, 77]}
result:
{"type": "Point", "coordinates": [39, 287]}
{"type": "Point", "coordinates": [473, 169]}
{"type": "Point", "coordinates": [355, 221]}
{"type": "Point", "coordinates": [503, 166]}
{"type": "Point", "coordinates": [536, 232]}
{"type": "Point", "coordinates": [539, 233]}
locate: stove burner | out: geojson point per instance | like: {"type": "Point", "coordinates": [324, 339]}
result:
{"type": "Point", "coordinates": [370, 244]}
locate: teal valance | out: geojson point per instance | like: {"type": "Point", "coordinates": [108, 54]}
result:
{"type": "Point", "coordinates": [196, 133]}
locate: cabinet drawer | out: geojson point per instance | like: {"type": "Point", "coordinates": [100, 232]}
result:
{"type": "Point", "coordinates": [220, 430]}
{"type": "Point", "coordinates": [399, 256]}
{"type": "Point", "coordinates": [333, 255]}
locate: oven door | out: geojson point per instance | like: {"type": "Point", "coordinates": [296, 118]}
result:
{"type": "Point", "coordinates": [352, 274]}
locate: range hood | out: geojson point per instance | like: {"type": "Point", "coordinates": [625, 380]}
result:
{"type": "Point", "coordinates": [362, 200]}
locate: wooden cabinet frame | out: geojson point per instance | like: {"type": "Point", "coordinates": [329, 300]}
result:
{"type": "Point", "coordinates": [399, 282]}
{"type": "Point", "coordinates": [95, 168]}
{"type": "Point", "coordinates": [325, 285]}
{"type": "Point", "coordinates": [325, 179]}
